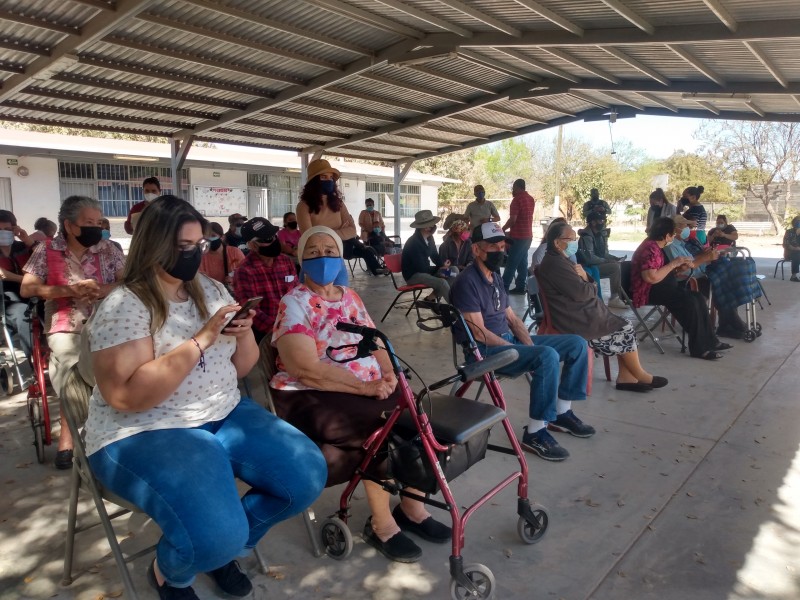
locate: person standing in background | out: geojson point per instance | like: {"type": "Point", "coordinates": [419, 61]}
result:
{"type": "Point", "coordinates": [233, 237]}
{"type": "Point", "coordinates": [520, 230]}
{"type": "Point", "coordinates": [695, 213]}
{"type": "Point", "coordinates": [659, 207]}
{"type": "Point", "coordinates": [151, 188]}
{"type": "Point", "coordinates": [289, 236]}
{"type": "Point", "coordinates": [221, 260]}
{"type": "Point", "coordinates": [480, 210]}
{"type": "Point", "coordinates": [106, 225]}
{"type": "Point", "coordinates": [45, 230]}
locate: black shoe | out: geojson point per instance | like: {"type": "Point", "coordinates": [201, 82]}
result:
{"type": "Point", "coordinates": [543, 445]}
{"type": "Point", "coordinates": [658, 382]}
{"type": "Point", "coordinates": [430, 529]}
{"type": "Point", "coordinates": [728, 332]}
{"type": "Point", "coordinates": [634, 387]}
{"type": "Point", "coordinates": [398, 548]}
{"type": "Point", "coordinates": [166, 591]}
{"type": "Point", "coordinates": [232, 580]}
{"type": "Point", "coordinates": [723, 346]}
{"type": "Point", "coordinates": [518, 291]}
{"type": "Point", "coordinates": [568, 422]}
{"type": "Point", "coordinates": [63, 460]}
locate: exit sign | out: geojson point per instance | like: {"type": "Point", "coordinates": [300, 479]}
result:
{"type": "Point", "coordinates": [215, 173]}
{"type": "Point", "coordinates": [12, 162]}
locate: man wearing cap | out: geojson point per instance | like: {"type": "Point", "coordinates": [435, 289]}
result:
{"type": "Point", "coordinates": [593, 252]}
{"type": "Point", "coordinates": [479, 294]}
{"type": "Point", "coordinates": [480, 210]}
{"type": "Point", "coordinates": [265, 272]}
{"type": "Point", "coordinates": [419, 251]}
{"type": "Point", "coordinates": [520, 231]}
{"type": "Point", "coordinates": [233, 237]}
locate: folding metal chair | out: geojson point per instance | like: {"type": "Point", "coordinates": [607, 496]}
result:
{"type": "Point", "coordinates": [534, 308]}
{"type": "Point", "coordinates": [393, 263]}
{"type": "Point", "coordinates": [75, 405]}
{"type": "Point", "coordinates": [643, 329]}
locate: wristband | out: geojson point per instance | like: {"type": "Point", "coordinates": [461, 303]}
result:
{"type": "Point", "coordinates": [202, 362]}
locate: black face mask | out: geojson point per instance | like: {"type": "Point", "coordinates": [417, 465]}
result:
{"type": "Point", "coordinates": [215, 244]}
{"type": "Point", "coordinates": [273, 250]}
{"type": "Point", "coordinates": [291, 225]}
{"type": "Point", "coordinates": [493, 260]}
{"type": "Point", "coordinates": [684, 201]}
{"type": "Point", "coordinates": [89, 236]}
{"type": "Point", "coordinates": [187, 265]}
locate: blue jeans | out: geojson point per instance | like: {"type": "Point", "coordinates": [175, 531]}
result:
{"type": "Point", "coordinates": [517, 263]}
{"type": "Point", "coordinates": [542, 361]}
{"type": "Point", "coordinates": [185, 480]}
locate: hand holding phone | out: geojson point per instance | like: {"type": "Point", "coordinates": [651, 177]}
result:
{"type": "Point", "coordinates": [246, 308]}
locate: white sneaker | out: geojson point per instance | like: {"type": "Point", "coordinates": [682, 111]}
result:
{"type": "Point", "coordinates": [616, 302]}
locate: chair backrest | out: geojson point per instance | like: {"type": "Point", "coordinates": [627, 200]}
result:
{"type": "Point", "coordinates": [546, 324]}
{"type": "Point", "coordinates": [394, 262]}
{"type": "Point", "coordinates": [625, 280]}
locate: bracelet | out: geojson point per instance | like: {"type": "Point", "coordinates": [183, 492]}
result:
{"type": "Point", "coordinates": [202, 362]}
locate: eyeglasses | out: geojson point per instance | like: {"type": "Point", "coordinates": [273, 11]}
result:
{"type": "Point", "coordinates": [496, 296]}
{"type": "Point", "coordinates": [569, 239]}
{"type": "Point", "coordinates": [202, 246]}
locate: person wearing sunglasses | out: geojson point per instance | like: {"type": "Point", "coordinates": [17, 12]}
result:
{"type": "Point", "coordinates": [479, 294]}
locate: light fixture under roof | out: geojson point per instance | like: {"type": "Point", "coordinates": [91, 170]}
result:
{"type": "Point", "coordinates": [136, 158]}
{"type": "Point", "coordinates": [717, 96]}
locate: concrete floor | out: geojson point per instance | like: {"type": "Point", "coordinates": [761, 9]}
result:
{"type": "Point", "coordinates": [686, 492]}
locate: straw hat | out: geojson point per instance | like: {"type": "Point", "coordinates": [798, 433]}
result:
{"type": "Point", "coordinates": [320, 166]}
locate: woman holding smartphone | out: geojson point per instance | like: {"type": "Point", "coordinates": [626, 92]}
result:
{"type": "Point", "coordinates": [167, 429]}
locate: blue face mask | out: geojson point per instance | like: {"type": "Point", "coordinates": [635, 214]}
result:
{"type": "Point", "coordinates": [480, 195]}
{"type": "Point", "coordinates": [106, 234]}
{"type": "Point", "coordinates": [376, 230]}
{"type": "Point", "coordinates": [571, 249]}
{"type": "Point", "coordinates": [370, 208]}
{"type": "Point", "coordinates": [328, 186]}
{"type": "Point", "coordinates": [322, 270]}
{"type": "Point", "coordinates": [685, 233]}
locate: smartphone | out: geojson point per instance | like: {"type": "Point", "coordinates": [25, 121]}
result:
{"type": "Point", "coordinates": [242, 312]}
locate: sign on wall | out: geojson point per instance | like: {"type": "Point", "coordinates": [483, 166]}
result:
{"type": "Point", "coordinates": [219, 201]}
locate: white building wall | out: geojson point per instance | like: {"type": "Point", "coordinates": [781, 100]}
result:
{"type": "Point", "coordinates": [217, 177]}
{"type": "Point", "coordinates": [36, 195]}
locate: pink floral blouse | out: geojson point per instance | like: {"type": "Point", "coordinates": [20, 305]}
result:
{"type": "Point", "coordinates": [301, 311]}
{"type": "Point", "coordinates": [647, 256]}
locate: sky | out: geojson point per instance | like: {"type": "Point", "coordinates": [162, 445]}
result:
{"type": "Point", "coordinates": [658, 136]}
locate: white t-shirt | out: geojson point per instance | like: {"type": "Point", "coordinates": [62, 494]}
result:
{"type": "Point", "coordinates": [201, 398]}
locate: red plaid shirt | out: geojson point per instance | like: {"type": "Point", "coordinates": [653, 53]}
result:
{"type": "Point", "coordinates": [522, 210]}
{"type": "Point", "coordinates": [254, 278]}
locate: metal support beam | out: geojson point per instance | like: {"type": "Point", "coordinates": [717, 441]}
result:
{"type": "Point", "coordinates": [581, 64]}
{"type": "Point", "coordinates": [721, 13]}
{"type": "Point", "coordinates": [656, 100]}
{"type": "Point", "coordinates": [695, 62]}
{"type": "Point", "coordinates": [549, 107]}
{"type": "Point", "coordinates": [179, 150]}
{"type": "Point", "coordinates": [636, 64]}
{"type": "Point", "coordinates": [622, 99]}
{"type": "Point", "coordinates": [796, 98]}
{"type": "Point", "coordinates": [768, 64]}
{"type": "Point", "coordinates": [303, 168]}
{"type": "Point", "coordinates": [539, 64]}
{"type": "Point", "coordinates": [755, 108]}
{"type": "Point", "coordinates": [475, 85]}
{"type": "Point", "coordinates": [497, 65]}
{"type": "Point", "coordinates": [632, 17]}
{"type": "Point", "coordinates": [97, 28]}
{"type": "Point", "coordinates": [588, 98]}
{"type": "Point", "coordinates": [482, 17]}
{"type": "Point", "coordinates": [708, 106]}
{"type": "Point", "coordinates": [554, 18]}
{"type": "Point", "coordinates": [426, 17]}
{"type": "Point", "coordinates": [422, 89]}
{"type": "Point", "coordinates": [365, 17]}
{"type": "Point", "coordinates": [401, 170]}
{"type": "Point", "coordinates": [481, 123]}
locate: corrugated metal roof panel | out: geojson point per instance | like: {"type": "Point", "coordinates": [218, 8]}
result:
{"type": "Point", "coordinates": [731, 60]}
{"type": "Point", "coordinates": [589, 14]}
{"type": "Point", "coordinates": [66, 13]}
{"type": "Point", "coordinates": [674, 12]}
{"type": "Point", "coordinates": [746, 10]}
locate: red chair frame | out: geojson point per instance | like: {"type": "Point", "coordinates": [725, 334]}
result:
{"type": "Point", "coordinates": [393, 263]}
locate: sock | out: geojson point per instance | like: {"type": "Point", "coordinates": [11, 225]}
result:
{"type": "Point", "coordinates": [563, 406]}
{"type": "Point", "coordinates": [414, 510]}
{"type": "Point", "coordinates": [535, 425]}
{"type": "Point", "coordinates": [386, 531]}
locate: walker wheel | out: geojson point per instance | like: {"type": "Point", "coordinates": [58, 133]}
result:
{"type": "Point", "coordinates": [482, 580]}
{"type": "Point", "coordinates": [530, 533]}
{"type": "Point", "coordinates": [35, 415]}
{"type": "Point", "coordinates": [336, 538]}
{"type": "Point", "coordinates": [749, 335]}
{"type": "Point", "coordinates": [758, 329]}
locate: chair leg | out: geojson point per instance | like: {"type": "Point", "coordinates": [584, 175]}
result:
{"type": "Point", "coordinates": [416, 294]}
{"type": "Point", "coordinates": [261, 561]}
{"type": "Point", "coordinates": [72, 522]}
{"type": "Point", "coordinates": [763, 293]}
{"type": "Point", "coordinates": [391, 306]}
{"type": "Point", "coordinates": [607, 367]}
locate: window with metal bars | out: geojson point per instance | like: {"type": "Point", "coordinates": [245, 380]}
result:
{"type": "Point", "coordinates": [383, 194]}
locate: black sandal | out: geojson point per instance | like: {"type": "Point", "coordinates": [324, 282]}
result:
{"type": "Point", "coordinates": [723, 346]}
{"type": "Point", "coordinates": [711, 355]}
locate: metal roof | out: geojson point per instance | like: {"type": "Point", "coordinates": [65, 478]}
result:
{"type": "Point", "coordinates": [390, 79]}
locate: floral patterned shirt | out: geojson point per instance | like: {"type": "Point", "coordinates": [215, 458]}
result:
{"type": "Point", "coordinates": [55, 264]}
{"type": "Point", "coordinates": [301, 311]}
{"type": "Point", "coordinates": [647, 256]}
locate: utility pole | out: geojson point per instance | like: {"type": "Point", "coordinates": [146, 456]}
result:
{"type": "Point", "coordinates": [557, 200]}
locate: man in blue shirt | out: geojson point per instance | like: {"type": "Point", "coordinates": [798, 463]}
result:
{"type": "Point", "coordinates": [479, 294]}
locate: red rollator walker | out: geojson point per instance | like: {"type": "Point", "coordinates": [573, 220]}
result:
{"type": "Point", "coordinates": [429, 439]}
{"type": "Point", "coordinates": [38, 408]}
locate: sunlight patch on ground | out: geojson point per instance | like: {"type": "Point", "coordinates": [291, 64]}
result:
{"type": "Point", "coordinates": [772, 566]}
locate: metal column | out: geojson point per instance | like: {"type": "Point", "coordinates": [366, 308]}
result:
{"type": "Point", "coordinates": [179, 150]}
{"type": "Point", "coordinates": [401, 170]}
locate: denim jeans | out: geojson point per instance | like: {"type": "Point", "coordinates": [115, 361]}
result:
{"type": "Point", "coordinates": [517, 263]}
{"type": "Point", "coordinates": [185, 480]}
{"type": "Point", "coordinates": [542, 361]}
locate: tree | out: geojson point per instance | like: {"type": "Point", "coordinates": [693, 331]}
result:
{"type": "Point", "coordinates": [756, 155]}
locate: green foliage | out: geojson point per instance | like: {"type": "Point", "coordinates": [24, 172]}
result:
{"type": "Point", "coordinates": [687, 170]}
